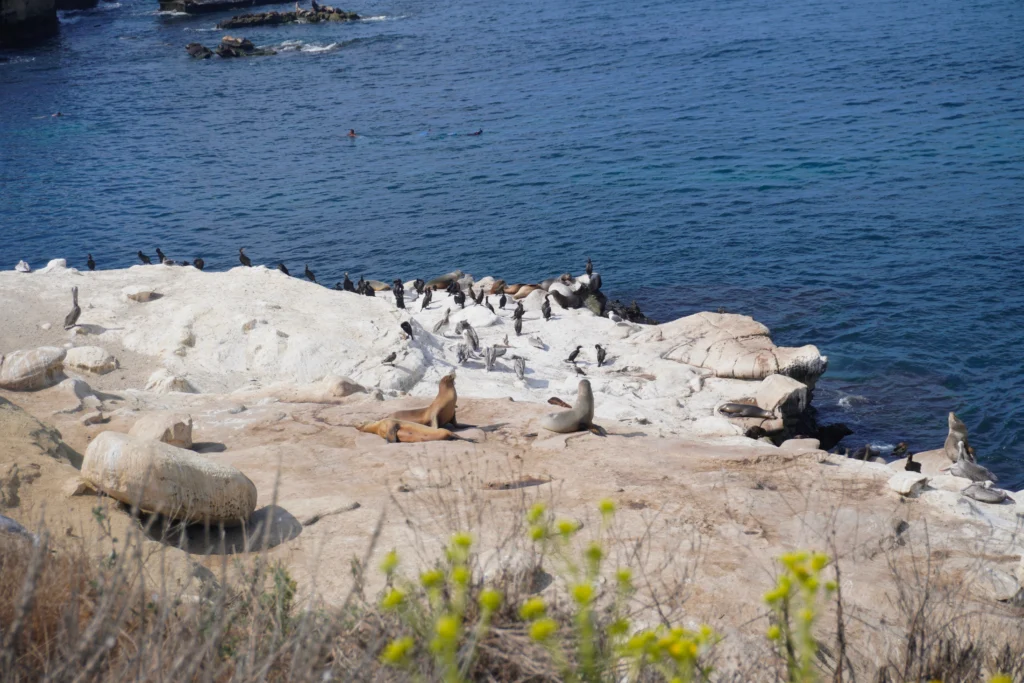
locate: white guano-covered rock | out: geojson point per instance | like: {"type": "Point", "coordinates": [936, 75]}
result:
{"type": "Point", "coordinates": [171, 481]}
{"type": "Point", "coordinates": [90, 359]}
{"type": "Point", "coordinates": [170, 428]}
{"type": "Point", "coordinates": [908, 483]}
{"type": "Point", "coordinates": [739, 347]}
{"type": "Point", "coordinates": [30, 369]}
{"type": "Point", "coordinates": [782, 395]}
{"type": "Point", "coordinates": [164, 382]}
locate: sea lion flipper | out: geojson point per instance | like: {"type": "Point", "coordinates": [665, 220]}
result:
{"type": "Point", "coordinates": [597, 429]}
{"type": "Point", "coordinates": [392, 433]}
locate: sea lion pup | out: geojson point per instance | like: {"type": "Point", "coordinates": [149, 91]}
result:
{"type": "Point", "coordinates": [243, 259]}
{"type": "Point", "coordinates": [91, 263]}
{"type": "Point", "coordinates": [957, 433]}
{"type": "Point", "coordinates": [970, 470]}
{"type": "Point", "coordinates": [72, 317]}
{"type": "Point", "coordinates": [444, 281]}
{"type": "Point", "coordinates": [580, 417]}
{"type": "Point", "coordinates": [438, 413]}
{"type": "Point", "coordinates": [399, 431]}
{"type": "Point", "coordinates": [744, 410]}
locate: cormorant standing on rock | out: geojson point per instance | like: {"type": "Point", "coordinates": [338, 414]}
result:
{"type": "Point", "coordinates": [545, 308]}
{"type": "Point", "coordinates": [309, 274]}
{"type": "Point", "coordinates": [590, 267]}
{"type": "Point", "coordinates": [460, 298]}
{"type": "Point", "coordinates": [573, 354]}
{"type": "Point", "coordinates": [72, 317]}
{"type": "Point", "coordinates": [144, 258]}
{"type": "Point", "coordinates": [407, 328]}
{"type": "Point", "coordinates": [199, 263]}
{"type": "Point", "coordinates": [283, 268]}
{"type": "Point", "coordinates": [480, 297]}
{"type": "Point", "coordinates": [912, 466]}
{"type": "Point", "coordinates": [518, 313]}
{"type": "Point", "coordinates": [427, 294]}
{"type": "Point", "coordinates": [160, 255]}
{"type": "Point", "coordinates": [601, 353]}
{"type": "Point", "coordinates": [91, 263]}
{"type": "Point", "coordinates": [347, 284]}
{"type": "Point", "coordinates": [400, 298]}
{"type": "Point", "coordinates": [519, 326]}
{"type": "Point", "coordinates": [502, 301]}
{"type": "Point", "coordinates": [397, 285]}
{"type": "Point", "coordinates": [487, 302]}
{"type": "Point", "coordinates": [243, 259]}
{"type": "Point", "coordinates": [418, 284]}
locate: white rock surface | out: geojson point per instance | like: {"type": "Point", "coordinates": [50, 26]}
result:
{"type": "Point", "coordinates": [90, 359]}
{"type": "Point", "coordinates": [168, 480]}
{"type": "Point", "coordinates": [31, 369]}
{"type": "Point", "coordinates": [170, 428]}
{"type": "Point", "coordinates": [164, 382]}
{"type": "Point", "coordinates": [781, 395]}
{"type": "Point", "coordinates": [908, 483]}
{"type": "Point", "coordinates": [56, 264]}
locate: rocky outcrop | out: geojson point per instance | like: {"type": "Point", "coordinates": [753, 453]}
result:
{"type": "Point", "coordinates": [198, 51]}
{"type": "Point", "coordinates": [174, 429]}
{"type": "Point", "coordinates": [26, 22]}
{"type": "Point", "coordinates": [28, 370]}
{"type": "Point", "coordinates": [65, 5]}
{"type": "Point", "coordinates": [156, 477]}
{"type": "Point", "coordinates": [738, 347]}
{"type": "Point", "coordinates": [321, 13]}
{"type": "Point", "coordinates": [240, 47]}
{"type": "Point", "coordinates": [164, 382]}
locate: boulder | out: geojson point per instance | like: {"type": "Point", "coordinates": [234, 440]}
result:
{"type": "Point", "coordinates": [139, 294]}
{"type": "Point", "coordinates": [90, 359]}
{"type": "Point", "coordinates": [23, 267]}
{"type": "Point", "coordinates": [908, 483]}
{"type": "Point", "coordinates": [782, 395]}
{"type": "Point", "coordinates": [738, 347]}
{"type": "Point", "coordinates": [198, 51]}
{"type": "Point", "coordinates": [170, 428]}
{"type": "Point", "coordinates": [163, 382]}
{"type": "Point", "coordinates": [160, 478]}
{"type": "Point", "coordinates": [81, 395]}
{"type": "Point", "coordinates": [31, 369]}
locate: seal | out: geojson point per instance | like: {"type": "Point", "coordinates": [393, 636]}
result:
{"type": "Point", "coordinates": [579, 418]}
{"type": "Point", "coordinates": [957, 433]}
{"type": "Point", "coordinates": [438, 413]}
{"type": "Point", "coordinates": [399, 431]}
{"type": "Point", "coordinates": [378, 286]}
{"type": "Point", "coordinates": [497, 287]}
{"type": "Point", "coordinates": [443, 281]}
{"type": "Point", "coordinates": [744, 410]}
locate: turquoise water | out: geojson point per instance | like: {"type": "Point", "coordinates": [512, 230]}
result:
{"type": "Point", "coordinates": [851, 174]}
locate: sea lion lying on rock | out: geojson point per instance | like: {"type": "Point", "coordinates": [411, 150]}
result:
{"type": "Point", "coordinates": [580, 417]}
{"type": "Point", "coordinates": [398, 431]}
{"type": "Point", "coordinates": [744, 410]}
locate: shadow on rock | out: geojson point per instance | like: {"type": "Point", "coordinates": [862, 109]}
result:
{"type": "Point", "coordinates": [208, 447]}
{"type": "Point", "coordinates": [267, 528]}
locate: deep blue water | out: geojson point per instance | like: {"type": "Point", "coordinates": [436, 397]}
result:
{"type": "Point", "coordinates": [850, 173]}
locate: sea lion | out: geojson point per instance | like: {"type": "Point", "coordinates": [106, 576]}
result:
{"type": "Point", "coordinates": [580, 417]}
{"type": "Point", "coordinates": [525, 291]}
{"type": "Point", "coordinates": [984, 493]}
{"type": "Point", "coordinates": [744, 410]}
{"type": "Point", "coordinates": [497, 287]}
{"type": "Point", "coordinates": [444, 281]}
{"type": "Point", "coordinates": [438, 413]}
{"type": "Point", "coordinates": [957, 433]}
{"type": "Point", "coordinates": [399, 431]}
{"type": "Point", "coordinates": [378, 286]}
{"type": "Point", "coordinates": [572, 301]}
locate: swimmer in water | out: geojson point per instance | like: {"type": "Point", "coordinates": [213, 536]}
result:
{"type": "Point", "coordinates": [351, 132]}
{"type": "Point", "coordinates": [57, 114]}
{"type": "Point", "coordinates": [479, 132]}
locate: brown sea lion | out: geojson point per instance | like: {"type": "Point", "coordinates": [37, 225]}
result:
{"type": "Point", "coordinates": [497, 287]}
{"type": "Point", "coordinates": [524, 291]}
{"type": "Point", "coordinates": [512, 289]}
{"type": "Point", "coordinates": [397, 431]}
{"type": "Point", "coordinates": [438, 413]}
{"type": "Point", "coordinates": [444, 280]}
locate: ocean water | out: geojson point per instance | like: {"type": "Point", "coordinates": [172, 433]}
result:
{"type": "Point", "coordinates": [849, 173]}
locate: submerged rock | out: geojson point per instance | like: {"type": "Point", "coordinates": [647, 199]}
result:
{"type": "Point", "coordinates": [240, 47]}
{"type": "Point", "coordinates": [320, 13]}
{"type": "Point", "coordinates": [160, 478]}
{"type": "Point", "coordinates": [198, 51]}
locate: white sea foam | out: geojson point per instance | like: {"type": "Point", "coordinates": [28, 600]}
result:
{"type": "Point", "coordinates": [170, 14]}
{"type": "Point", "coordinates": [300, 46]}
{"type": "Point", "coordinates": [848, 402]}
{"type": "Point", "coordinates": [17, 60]}
{"type": "Point", "coordinates": [381, 17]}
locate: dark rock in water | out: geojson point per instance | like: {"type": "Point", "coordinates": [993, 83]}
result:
{"type": "Point", "coordinates": [197, 51]}
{"type": "Point", "coordinates": [830, 435]}
{"type": "Point", "coordinates": [322, 13]}
{"type": "Point", "coordinates": [64, 5]}
{"type": "Point", "coordinates": [207, 6]}
{"type": "Point", "coordinates": [240, 47]}
{"type": "Point", "coordinates": [23, 24]}
{"type": "Point", "coordinates": [632, 313]}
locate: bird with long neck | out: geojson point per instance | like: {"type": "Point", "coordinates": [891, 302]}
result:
{"type": "Point", "coordinates": [72, 318]}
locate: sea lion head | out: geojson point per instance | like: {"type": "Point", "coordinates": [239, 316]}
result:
{"type": "Point", "coordinates": [955, 423]}
{"type": "Point", "coordinates": [448, 381]}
